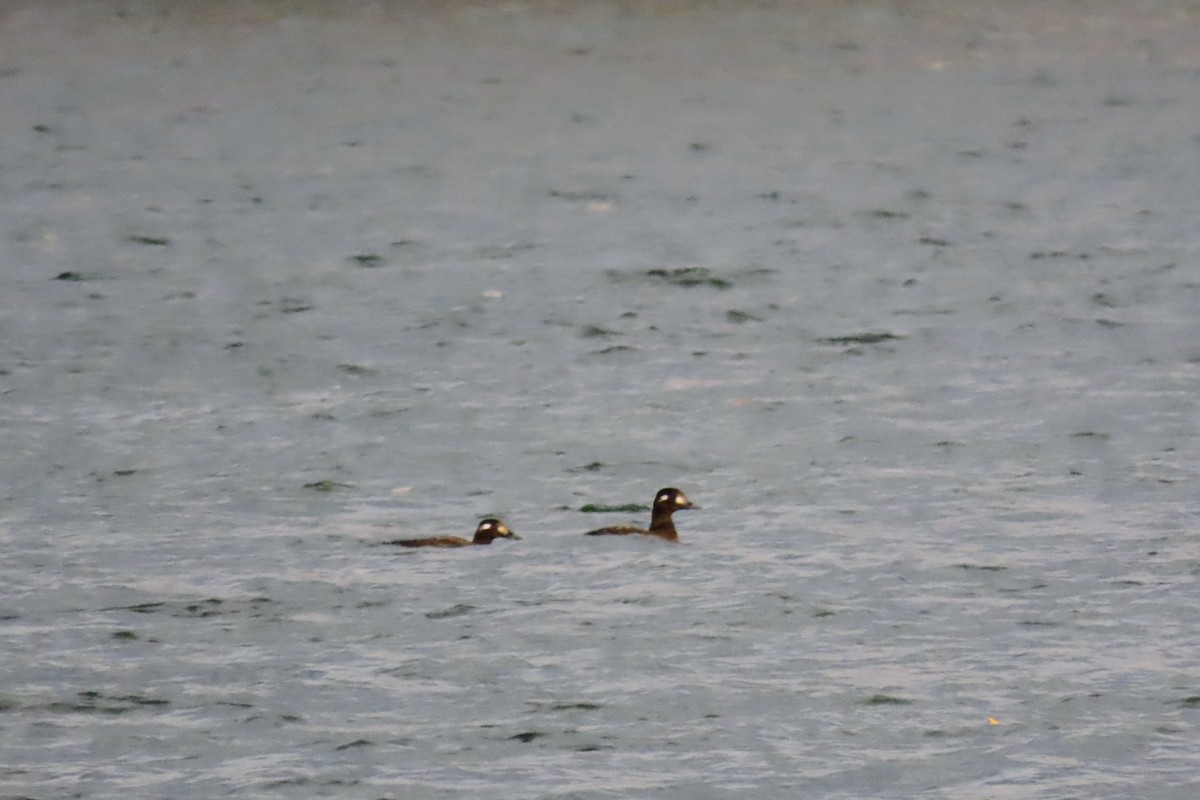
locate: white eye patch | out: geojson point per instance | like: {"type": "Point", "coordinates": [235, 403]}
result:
{"type": "Point", "coordinates": [487, 526]}
{"type": "Point", "coordinates": [662, 498]}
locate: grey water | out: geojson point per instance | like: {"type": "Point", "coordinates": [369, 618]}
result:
{"type": "Point", "coordinates": [903, 294]}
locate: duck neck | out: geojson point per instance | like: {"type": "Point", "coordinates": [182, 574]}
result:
{"type": "Point", "coordinates": [662, 525]}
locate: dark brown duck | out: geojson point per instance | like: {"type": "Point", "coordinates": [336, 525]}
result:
{"type": "Point", "coordinates": [666, 503]}
{"type": "Point", "coordinates": [488, 531]}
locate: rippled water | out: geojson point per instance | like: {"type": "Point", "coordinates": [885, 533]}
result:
{"type": "Point", "coordinates": [904, 298]}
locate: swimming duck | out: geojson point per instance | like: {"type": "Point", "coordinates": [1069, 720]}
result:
{"type": "Point", "coordinates": [666, 503]}
{"type": "Point", "coordinates": [488, 530]}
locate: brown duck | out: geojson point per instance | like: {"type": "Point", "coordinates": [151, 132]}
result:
{"type": "Point", "coordinates": [488, 530]}
{"type": "Point", "coordinates": [666, 503]}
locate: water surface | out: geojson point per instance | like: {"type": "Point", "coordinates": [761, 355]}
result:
{"type": "Point", "coordinates": [903, 296]}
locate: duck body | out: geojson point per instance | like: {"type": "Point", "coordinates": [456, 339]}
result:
{"type": "Point", "coordinates": [666, 503]}
{"type": "Point", "coordinates": [488, 531]}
